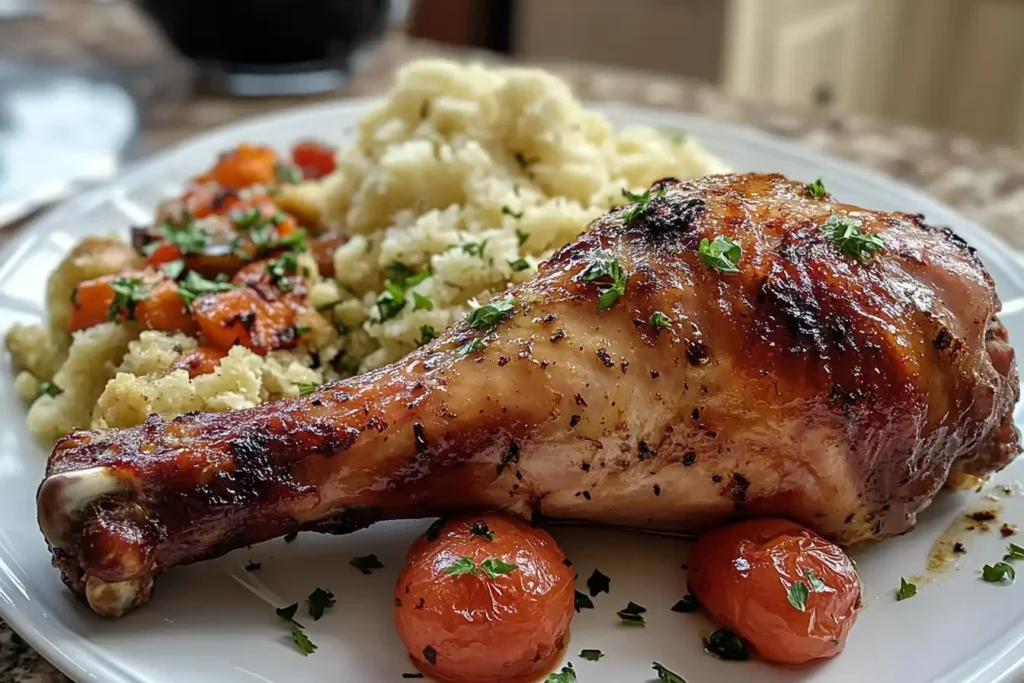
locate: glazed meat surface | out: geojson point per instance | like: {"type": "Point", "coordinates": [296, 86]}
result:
{"type": "Point", "coordinates": [837, 391]}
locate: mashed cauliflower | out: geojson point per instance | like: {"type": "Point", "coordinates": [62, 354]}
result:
{"type": "Point", "coordinates": [456, 186]}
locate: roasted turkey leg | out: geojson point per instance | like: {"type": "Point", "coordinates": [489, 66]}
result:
{"type": "Point", "coordinates": [838, 391]}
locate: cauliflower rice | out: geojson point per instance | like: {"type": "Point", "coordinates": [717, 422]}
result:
{"type": "Point", "coordinates": [469, 176]}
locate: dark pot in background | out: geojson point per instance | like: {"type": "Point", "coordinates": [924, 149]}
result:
{"type": "Point", "coordinates": [271, 47]}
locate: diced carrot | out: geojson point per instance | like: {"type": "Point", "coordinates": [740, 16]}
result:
{"type": "Point", "coordinates": [242, 316]}
{"type": "Point", "coordinates": [244, 166]}
{"type": "Point", "coordinates": [315, 159]}
{"type": "Point", "coordinates": [165, 310]}
{"type": "Point", "coordinates": [90, 303]}
{"type": "Point", "coordinates": [201, 360]}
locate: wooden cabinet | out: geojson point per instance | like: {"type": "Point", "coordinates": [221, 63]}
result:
{"type": "Point", "coordinates": [814, 52]}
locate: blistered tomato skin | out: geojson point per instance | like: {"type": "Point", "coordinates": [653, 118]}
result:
{"type": "Point", "coordinates": [473, 628]}
{"type": "Point", "coordinates": [744, 575]}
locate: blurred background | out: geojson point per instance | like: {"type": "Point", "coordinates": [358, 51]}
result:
{"type": "Point", "coordinates": [87, 84]}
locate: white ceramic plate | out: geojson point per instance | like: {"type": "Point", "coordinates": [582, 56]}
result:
{"type": "Point", "coordinates": [215, 622]}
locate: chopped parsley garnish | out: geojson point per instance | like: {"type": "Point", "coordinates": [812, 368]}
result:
{"type": "Point", "coordinates": [583, 602]}
{"type": "Point", "coordinates": [351, 363]}
{"type": "Point", "coordinates": [518, 265]}
{"type": "Point", "coordinates": [421, 303]}
{"type": "Point", "coordinates": [817, 584]}
{"type": "Point", "coordinates": [307, 387]}
{"type": "Point", "coordinates": [391, 302]}
{"type": "Point", "coordinates": [521, 237]}
{"type": "Point", "coordinates": [598, 583]}
{"type": "Point", "coordinates": [610, 278]}
{"type": "Point", "coordinates": [280, 268]}
{"type": "Point", "coordinates": [403, 275]}
{"type": "Point", "coordinates": [641, 202]}
{"type": "Point", "coordinates": [687, 604]}
{"type": "Point", "coordinates": [523, 161]}
{"type": "Point", "coordinates": [666, 675]}
{"type": "Point", "coordinates": [845, 233]}
{"type": "Point", "coordinates": [427, 335]}
{"type": "Point", "coordinates": [302, 330]}
{"type": "Point", "coordinates": [173, 269]}
{"type": "Point", "coordinates": [463, 565]}
{"type": "Point", "coordinates": [475, 345]}
{"type": "Point", "coordinates": [51, 389]}
{"type": "Point", "coordinates": [320, 600]}
{"type": "Point", "coordinates": [188, 237]}
{"type": "Point", "coordinates": [366, 563]}
{"type": "Point", "coordinates": [430, 654]}
{"type": "Point", "coordinates": [248, 219]}
{"type": "Point", "coordinates": [906, 590]}
{"type": "Point", "coordinates": [566, 675]}
{"type": "Point", "coordinates": [660, 321]}
{"type": "Point", "coordinates": [251, 566]}
{"type": "Point", "coordinates": [195, 285]}
{"type": "Point", "coordinates": [129, 292]}
{"type": "Point", "coordinates": [505, 211]}
{"type": "Point", "coordinates": [495, 567]}
{"type": "Point", "coordinates": [816, 189]}
{"type": "Point", "coordinates": [591, 655]}
{"type": "Point", "coordinates": [323, 308]}
{"type": "Point", "coordinates": [999, 572]}
{"type": "Point", "coordinates": [474, 248]}
{"type": "Point", "coordinates": [727, 645]}
{"type": "Point", "coordinates": [480, 529]}
{"type": "Point", "coordinates": [302, 641]}
{"type": "Point", "coordinates": [722, 254]}
{"type": "Point", "coordinates": [491, 314]}
{"type": "Point", "coordinates": [286, 173]}
{"type": "Point", "coordinates": [797, 595]}
{"type": "Point", "coordinates": [288, 613]}
{"type": "Point", "coordinates": [632, 614]}
{"type": "Point", "coordinates": [1014, 552]}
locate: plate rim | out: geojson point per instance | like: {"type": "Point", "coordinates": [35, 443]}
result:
{"type": "Point", "coordinates": [79, 661]}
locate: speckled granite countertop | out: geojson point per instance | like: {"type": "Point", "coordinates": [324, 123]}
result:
{"type": "Point", "coordinates": [983, 181]}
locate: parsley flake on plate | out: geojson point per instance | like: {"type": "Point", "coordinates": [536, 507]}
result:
{"type": "Point", "coordinates": [632, 614]}
{"type": "Point", "coordinates": [610, 278]}
{"type": "Point", "coordinates": [1000, 572]}
{"type": "Point", "coordinates": [320, 600]}
{"type": "Point", "coordinates": [667, 676]}
{"type": "Point", "coordinates": [1014, 552]}
{"type": "Point", "coordinates": [591, 655]}
{"type": "Point", "coordinates": [302, 641]}
{"type": "Point", "coordinates": [727, 645]}
{"type": "Point", "coordinates": [721, 254]}
{"type": "Point", "coordinates": [566, 675]}
{"type": "Point", "coordinates": [598, 583]}
{"type": "Point", "coordinates": [906, 590]}
{"type": "Point", "coordinates": [366, 563]}
{"type": "Point", "coordinates": [582, 602]}
{"type": "Point", "coordinates": [846, 234]}
{"type": "Point", "coordinates": [687, 604]}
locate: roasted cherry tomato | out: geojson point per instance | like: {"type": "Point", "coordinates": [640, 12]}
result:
{"type": "Point", "coordinates": [244, 166]}
{"type": "Point", "coordinates": [484, 599]}
{"type": "Point", "coordinates": [147, 296]}
{"type": "Point", "coordinates": [315, 159]}
{"type": "Point", "coordinates": [785, 590]}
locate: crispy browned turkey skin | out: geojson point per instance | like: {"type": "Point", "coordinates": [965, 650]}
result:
{"type": "Point", "coordinates": [811, 385]}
